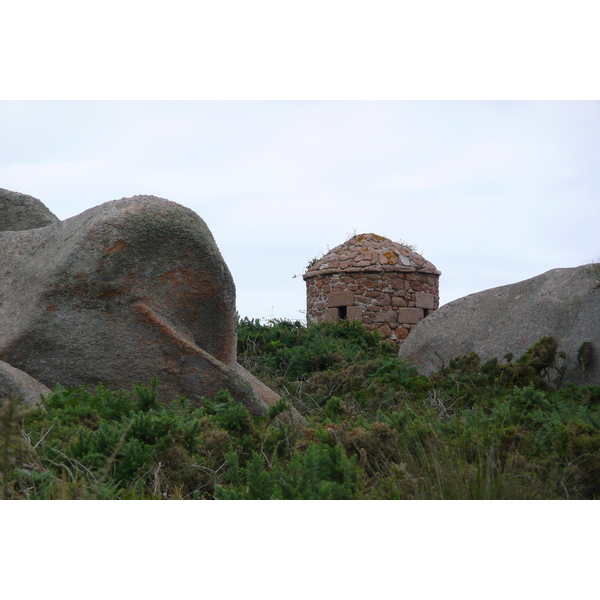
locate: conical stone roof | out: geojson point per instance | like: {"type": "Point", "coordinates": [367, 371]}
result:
{"type": "Point", "coordinates": [370, 253]}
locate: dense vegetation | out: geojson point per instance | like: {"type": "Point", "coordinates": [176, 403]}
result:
{"type": "Point", "coordinates": [376, 429]}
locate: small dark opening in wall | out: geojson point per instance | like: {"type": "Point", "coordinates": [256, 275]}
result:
{"type": "Point", "coordinates": [342, 313]}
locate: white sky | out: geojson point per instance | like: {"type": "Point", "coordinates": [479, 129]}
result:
{"type": "Point", "coordinates": [490, 192]}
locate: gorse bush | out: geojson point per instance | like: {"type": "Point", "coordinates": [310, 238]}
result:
{"type": "Point", "coordinates": [295, 351]}
{"type": "Point", "coordinates": [120, 444]}
{"type": "Point", "coordinates": [322, 471]}
{"type": "Point", "coordinates": [11, 415]}
{"type": "Point", "coordinates": [376, 429]}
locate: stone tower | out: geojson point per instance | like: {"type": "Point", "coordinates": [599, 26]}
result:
{"type": "Point", "coordinates": [369, 278]}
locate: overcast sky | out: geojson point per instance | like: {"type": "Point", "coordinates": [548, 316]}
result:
{"type": "Point", "coordinates": [490, 192]}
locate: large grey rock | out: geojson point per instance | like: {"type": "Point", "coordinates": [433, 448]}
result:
{"type": "Point", "coordinates": [122, 292]}
{"type": "Point", "coordinates": [562, 303]}
{"type": "Point", "coordinates": [17, 384]}
{"type": "Point", "coordinates": [19, 212]}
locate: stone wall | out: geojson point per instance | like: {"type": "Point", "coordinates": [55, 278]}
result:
{"type": "Point", "coordinates": [390, 302]}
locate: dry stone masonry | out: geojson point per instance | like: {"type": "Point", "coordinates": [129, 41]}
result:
{"type": "Point", "coordinates": [369, 278]}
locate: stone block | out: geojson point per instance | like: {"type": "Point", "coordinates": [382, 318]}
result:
{"type": "Point", "coordinates": [331, 315]}
{"type": "Point", "coordinates": [401, 333]}
{"type": "Point", "coordinates": [410, 315]}
{"type": "Point", "coordinates": [354, 313]}
{"type": "Point", "coordinates": [424, 300]}
{"type": "Point", "coordinates": [384, 331]}
{"type": "Point", "coordinates": [340, 299]}
{"type": "Point", "coordinates": [384, 300]}
{"type": "Point", "coordinates": [386, 316]}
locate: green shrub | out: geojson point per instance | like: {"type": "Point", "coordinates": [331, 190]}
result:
{"type": "Point", "coordinates": [375, 429]}
{"type": "Point", "coordinates": [321, 472]}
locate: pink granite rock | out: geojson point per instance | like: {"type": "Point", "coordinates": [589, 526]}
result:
{"type": "Point", "coordinates": [124, 291]}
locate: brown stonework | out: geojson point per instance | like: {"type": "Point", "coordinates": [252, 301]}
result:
{"type": "Point", "coordinates": [385, 316]}
{"type": "Point", "coordinates": [354, 313]}
{"type": "Point", "coordinates": [399, 302]}
{"type": "Point", "coordinates": [401, 333]}
{"type": "Point", "coordinates": [331, 315]}
{"type": "Point", "coordinates": [387, 286]}
{"type": "Point", "coordinates": [410, 315]}
{"type": "Point", "coordinates": [340, 299]}
{"type": "Point", "coordinates": [424, 300]}
{"type": "Point", "coordinates": [384, 331]}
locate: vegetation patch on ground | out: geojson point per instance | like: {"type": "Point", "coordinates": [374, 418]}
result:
{"type": "Point", "coordinates": [506, 429]}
